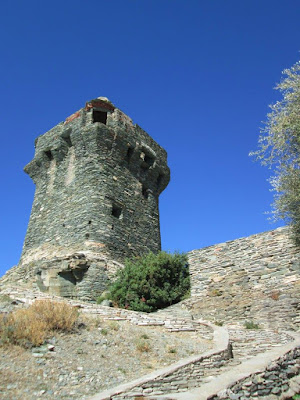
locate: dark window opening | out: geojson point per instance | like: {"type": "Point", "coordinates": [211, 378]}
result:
{"type": "Point", "coordinates": [68, 276]}
{"type": "Point", "coordinates": [64, 225]}
{"type": "Point", "coordinates": [145, 192]}
{"type": "Point", "coordinates": [87, 235]}
{"type": "Point", "coordinates": [159, 179]}
{"type": "Point", "coordinates": [90, 222]}
{"type": "Point", "coordinates": [116, 211]}
{"type": "Point", "coordinates": [67, 139]}
{"type": "Point", "coordinates": [99, 116]}
{"type": "Point", "coordinates": [75, 276]}
{"type": "Point", "coordinates": [148, 161]}
{"type": "Point", "coordinates": [129, 154]}
{"type": "Point", "coordinates": [79, 273]}
{"type": "Point", "coordinates": [49, 155]}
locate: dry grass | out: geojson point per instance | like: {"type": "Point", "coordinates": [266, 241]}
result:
{"type": "Point", "coordinates": [143, 346]}
{"type": "Point", "coordinates": [105, 360]}
{"type": "Point", "coordinates": [31, 326]}
{"type": "Point", "coordinates": [58, 316]}
{"type": "Point", "coordinates": [113, 325]}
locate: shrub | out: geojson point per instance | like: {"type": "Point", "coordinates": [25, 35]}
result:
{"type": "Point", "coordinates": [172, 350]}
{"type": "Point", "coordinates": [142, 346]}
{"type": "Point", "coordinates": [21, 327]}
{"type": "Point", "coordinates": [151, 282]}
{"type": "Point", "coordinates": [144, 336]}
{"type": "Point", "coordinates": [104, 296]}
{"type": "Point", "coordinates": [30, 326]}
{"type": "Point", "coordinates": [58, 316]}
{"type": "Point", "coordinates": [219, 323]}
{"type": "Point", "coordinates": [251, 325]}
{"type": "Point", "coordinates": [114, 326]}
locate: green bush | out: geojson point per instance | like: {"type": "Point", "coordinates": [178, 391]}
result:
{"type": "Point", "coordinates": [219, 323]}
{"type": "Point", "coordinates": [251, 325]}
{"type": "Point", "coordinates": [104, 296]}
{"type": "Point", "coordinates": [151, 282]}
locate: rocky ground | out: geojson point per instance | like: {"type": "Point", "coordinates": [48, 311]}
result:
{"type": "Point", "coordinates": [98, 355]}
{"type": "Point", "coordinates": [111, 346]}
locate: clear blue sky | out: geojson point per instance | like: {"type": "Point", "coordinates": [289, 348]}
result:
{"type": "Point", "coordinates": [196, 75]}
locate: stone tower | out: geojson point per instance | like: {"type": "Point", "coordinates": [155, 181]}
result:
{"type": "Point", "coordinates": [98, 177]}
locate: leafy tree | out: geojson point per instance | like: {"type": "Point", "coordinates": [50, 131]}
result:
{"type": "Point", "coordinates": [151, 282]}
{"type": "Point", "coordinates": [279, 146]}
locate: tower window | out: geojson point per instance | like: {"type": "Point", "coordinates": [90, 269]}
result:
{"type": "Point", "coordinates": [49, 155]}
{"type": "Point", "coordinates": [148, 160]}
{"type": "Point", "coordinates": [129, 153]}
{"type": "Point", "coordinates": [116, 211]}
{"type": "Point", "coordinates": [145, 192]}
{"type": "Point", "coordinates": [67, 139]}
{"type": "Point", "coordinates": [99, 116]}
{"type": "Point", "coordinates": [159, 179]}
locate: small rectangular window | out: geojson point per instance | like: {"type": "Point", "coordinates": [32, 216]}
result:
{"type": "Point", "coordinates": [159, 180]}
{"type": "Point", "coordinates": [129, 153]}
{"type": "Point", "coordinates": [145, 192]}
{"type": "Point", "coordinates": [148, 160]}
{"type": "Point", "coordinates": [116, 211]}
{"type": "Point", "coordinates": [67, 139]}
{"type": "Point", "coordinates": [49, 155]}
{"type": "Point", "coordinates": [99, 116]}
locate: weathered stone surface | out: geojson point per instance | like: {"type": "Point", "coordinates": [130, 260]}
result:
{"type": "Point", "coordinates": [98, 177]}
{"type": "Point", "coordinates": [272, 384]}
{"type": "Point", "coordinates": [255, 278]}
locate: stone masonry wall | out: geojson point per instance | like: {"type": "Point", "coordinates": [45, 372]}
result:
{"type": "Point", "coordinates": [97, 187]}
{"type": "Point", "coordinates": [182, 379]}
{"type": "Point", "coordinates": [98, 178]}
{"type": "Point", "coordinates": [90, 276]}
{"type": "Point", "coordinates": [256, 277]}
{"type": "Point", "coordinates": [275, 380]}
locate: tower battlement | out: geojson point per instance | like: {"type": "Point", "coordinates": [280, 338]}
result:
{"type": "Point", "coordinates": [98, 178]}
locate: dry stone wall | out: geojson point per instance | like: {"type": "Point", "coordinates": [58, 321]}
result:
{"type": "Point", "coordinates": [254, 278]}
{"type": "Point", "coordinates": [184, 378]}
{"type": "Point", "coordinates": [180, 377]}
{"type": "Point", "coordinates": [276, 380]}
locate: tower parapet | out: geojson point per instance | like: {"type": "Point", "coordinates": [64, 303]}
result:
{"type": "Point", "coordinates": [98, 178]}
